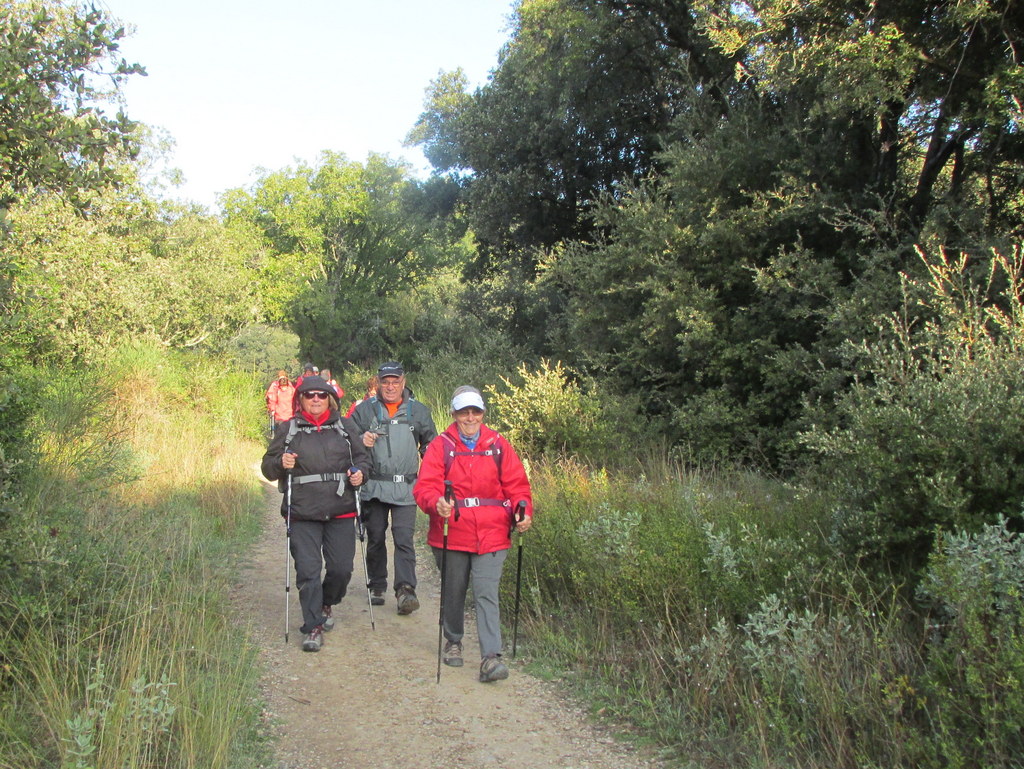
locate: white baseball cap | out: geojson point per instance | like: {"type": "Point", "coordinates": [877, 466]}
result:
{"type": "Point", "coordinates": [466, 399]}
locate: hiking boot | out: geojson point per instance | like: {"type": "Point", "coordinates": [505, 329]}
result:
{"type": "Point", "coordinates": [453, 654]}
{"type": "Point", "coordinates": [407, 600]}
{"type": "Point", "coordinates": [493, 669]}
{"type": "Point", "coordinates": [328, 625]}
{"type": "Point", "coordinates": [314, 640]}
{"type": "Point", "coordinates": [376, 597]}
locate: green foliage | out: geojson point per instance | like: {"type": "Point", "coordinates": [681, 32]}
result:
{"type": "Point", "coordinates": [683, 312]}
{"type": "Point", "coordinates": [975, 678]}
{"type": "Point", "coordinates": [709, 611]}
{"type": "Point", "coordinates": [127, 269]}
{"type": "Point", "coordinates": [547, 413]}
{"type": "Point", "coordinates": [346, 240]}
{"type": "Point", "coordinates": [931, 436]}
{"type": "Point", "coordinates": [54, 59]}
{"type": "Point", "coordinates": [575, 105]}
{"type": "Point", "coordinates": [667, 549]}
{"type": "Point", "coordinates": [797, 683]}
{"type": "Point", "coordinates": [263, 350]}
{"type": "Point", "coordinates": [918, 92]}
{"type": "Point", "coordinates": [58, 65]}
{"type": "Point", "coordinates": [717, 253]}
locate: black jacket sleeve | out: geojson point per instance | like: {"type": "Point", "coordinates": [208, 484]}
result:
{"type": "Point", "coordinates": [271, 464]}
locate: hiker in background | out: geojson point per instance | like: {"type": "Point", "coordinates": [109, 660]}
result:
{"type": "Point", "coordinates": [307, 370]}
{"type": "Point", "coordinates": [396, 429]}
{"type": "Point", "coordinates": [321, 452]}
{"type": "Point", "coordinates": [371, 390]}
{"type": "Point", "coordinates": [279, 399]}
{"type": "Point", "coordinates": [325, 374]}
{"type": "Point", "coordinates": [488, 481]}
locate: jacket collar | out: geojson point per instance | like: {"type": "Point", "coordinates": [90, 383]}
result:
{"type": "Point", "coordinates": [487, 436]}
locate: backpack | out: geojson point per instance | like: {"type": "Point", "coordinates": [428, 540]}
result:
{"type": "Point", "coordinates": [452, 451]}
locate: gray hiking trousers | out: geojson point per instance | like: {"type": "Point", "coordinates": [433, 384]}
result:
{"type": "Point", "coordinates": [483, 573]}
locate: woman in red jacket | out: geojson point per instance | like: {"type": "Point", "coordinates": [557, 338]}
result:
{"type": "Point", "coordinates": [488, 481]}
{"type": "Point", "coordinates": [280, 396]}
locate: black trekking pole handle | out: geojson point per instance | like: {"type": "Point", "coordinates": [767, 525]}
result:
{"type": "Point", "coordinates": [518, 516]}
{"type": "Point", "coordinates": [449, 497]}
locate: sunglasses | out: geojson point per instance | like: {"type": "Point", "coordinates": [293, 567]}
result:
{"type": "Point", "coordinates": [315, 396]}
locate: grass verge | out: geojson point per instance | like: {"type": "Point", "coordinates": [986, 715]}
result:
{"type": "Point", "coordinates": [118, 646]}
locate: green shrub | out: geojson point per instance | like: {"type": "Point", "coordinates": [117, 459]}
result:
{"type": "Point", "coordinates": [546, 412]}
{"type": "Point", "coordinates": [263, 350]}
{"type": "Point", "coordinates": [933, 435]}
{"type": "Point", "coordinates": [974, 680]}
{"type": "Point", "coordinates": [708, 610]}
{"type": "Point", "coordinates": [111, 656]}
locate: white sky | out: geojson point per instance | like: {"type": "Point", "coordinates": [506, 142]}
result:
{"type": "Point", "coordinates": [241, 85]}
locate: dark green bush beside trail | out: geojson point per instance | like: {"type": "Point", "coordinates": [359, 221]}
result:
{"type": "Point", "coordinates": [974, 681]}
{"type": "Point", "coordinates": [930, 437]}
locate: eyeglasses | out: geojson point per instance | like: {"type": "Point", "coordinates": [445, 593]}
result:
{"type": "Point", "coordinates": [316, 395]}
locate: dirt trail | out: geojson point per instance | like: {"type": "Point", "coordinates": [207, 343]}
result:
{"type": "Point", "coordinates": [369, 699]}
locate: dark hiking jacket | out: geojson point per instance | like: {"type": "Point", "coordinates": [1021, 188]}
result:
{"type": "Point", "coordinates": [324, 455]}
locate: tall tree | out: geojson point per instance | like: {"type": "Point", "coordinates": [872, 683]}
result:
{"type": "Point", "coordinates": [576, 105]}
{"type": "Point", "coordinates": [927, 93]}
{"type": "Point", "coordinates": [58, 67]}
{"type": "Point", "coordinates": [346, 238]}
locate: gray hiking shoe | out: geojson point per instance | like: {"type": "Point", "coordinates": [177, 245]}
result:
{"type": "Point", "coordinates": [493, 669]}
{"type": "Point", "coordinates": [407, 600]}
{"type": "Point", "coordinates": [328, 625]}
{"type": "Point", "coordinates": [376, 597]}
{"type": "Point", "coordinates": [314, 640]}
{"type": "Point", "coordinates": [453, 654]}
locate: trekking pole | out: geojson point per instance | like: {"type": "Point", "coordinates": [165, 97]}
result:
{"type": "Point", "coordinates": [287, 555]}
{"type": "Point", "coordinates": [361, 534]}
{"type": "Point", "coordinates": [517, 517]}
{"type": "Point", "coordinates": [450, 498]}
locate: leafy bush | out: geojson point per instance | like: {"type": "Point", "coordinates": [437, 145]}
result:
{"type": "Point", "coordinates": [111, 657]}
{"type": "Point", "coordinates": [450, 345]}
{"type": "Point", "coordinates": [546, 412]}
{"type": "Point", "coordinates": [263, 350]}
{"type": "Point", "coordinates": [933, 435]}
{"type": "Point", "coordinates": [708, 610]}
{"type": "Point", "coordinates": [975, 677]}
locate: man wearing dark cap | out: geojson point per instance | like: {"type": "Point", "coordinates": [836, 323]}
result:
{"type": "Point", "coordinates": [396, 428]}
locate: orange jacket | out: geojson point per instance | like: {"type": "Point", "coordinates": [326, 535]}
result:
{"type": "Point", "coordinates": [279, 400]}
